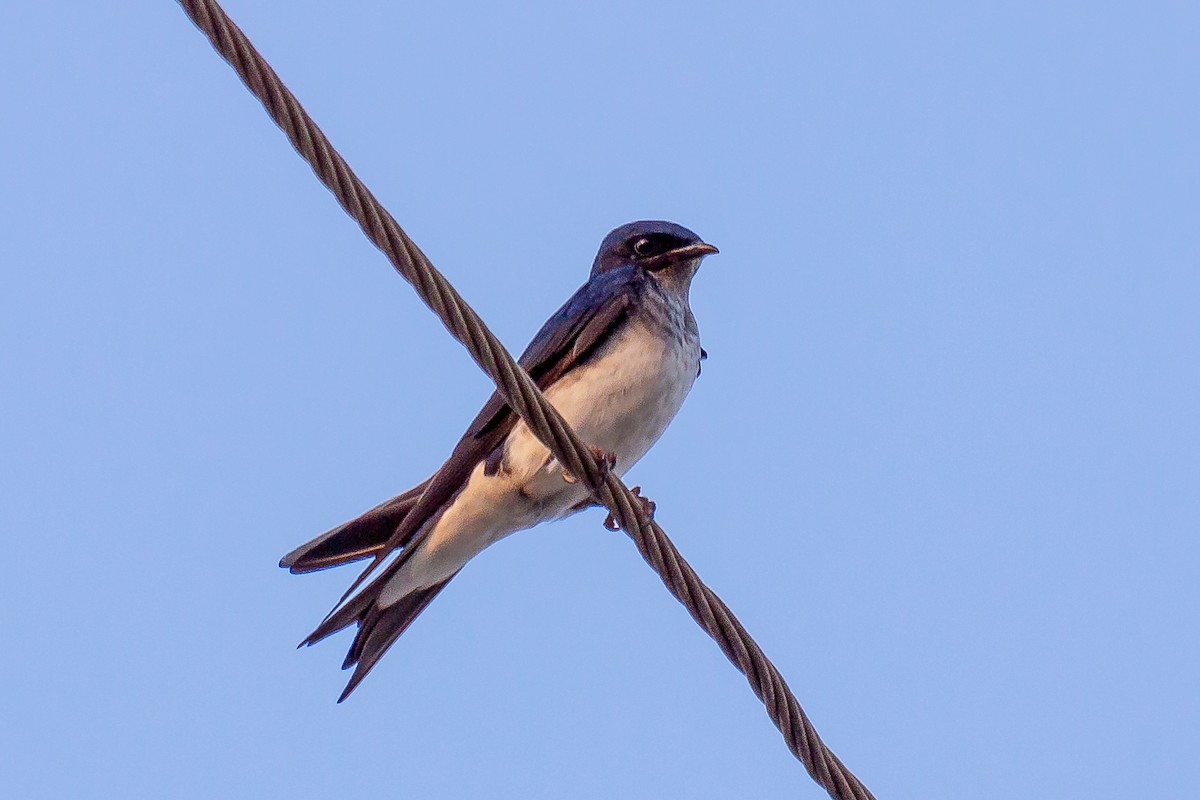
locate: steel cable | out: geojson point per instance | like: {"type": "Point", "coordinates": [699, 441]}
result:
{"type": "Point", "coordinates": [708, 610]}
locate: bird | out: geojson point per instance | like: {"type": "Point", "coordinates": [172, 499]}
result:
{"type": "Point", "coordinates": [616, 360]}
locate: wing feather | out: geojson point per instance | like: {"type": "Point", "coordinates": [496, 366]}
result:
{"type": "Point", "coordinates": [578, 330]}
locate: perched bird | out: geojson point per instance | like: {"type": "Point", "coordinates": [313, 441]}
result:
{"type": "Point", "coordinates": [617, 361]}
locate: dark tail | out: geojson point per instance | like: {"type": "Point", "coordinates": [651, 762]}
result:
{"type": "Point", "coordinates": [378, 626]}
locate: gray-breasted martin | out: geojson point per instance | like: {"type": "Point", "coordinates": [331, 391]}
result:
{"type": "Point", "coordinates": [617, 361]}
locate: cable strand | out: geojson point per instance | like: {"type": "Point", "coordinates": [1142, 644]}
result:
{"type": "Point", "coordinates": [519, 391]}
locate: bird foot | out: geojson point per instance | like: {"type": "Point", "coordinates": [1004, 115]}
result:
{"type": "Point", "coordinates": [606, 459]}
{"type": "Point", "coordinates": [648, 507]}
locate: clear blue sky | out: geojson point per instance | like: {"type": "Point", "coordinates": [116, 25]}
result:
{"type": "Point", "coordinates": [944, 459]}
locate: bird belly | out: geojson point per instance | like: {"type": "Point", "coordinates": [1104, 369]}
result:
{"type": "Point", "coordinates": [621, 401]}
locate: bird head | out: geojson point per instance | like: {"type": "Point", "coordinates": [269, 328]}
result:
{"type": "Point", "coordinates": [669, 251]}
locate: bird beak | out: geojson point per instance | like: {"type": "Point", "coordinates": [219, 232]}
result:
{"type": "Point", "coordinates": [685, 253]}
{"type": "Point", "coordinates": [698, 250]}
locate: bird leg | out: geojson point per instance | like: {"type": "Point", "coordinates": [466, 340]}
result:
{"type": "Point", "coordinates": [606, 460]}
{"type": "Point", "coordinates": [648, 507]}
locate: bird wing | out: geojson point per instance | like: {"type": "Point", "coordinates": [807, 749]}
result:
{"type": "Point", "coordinates": [585, 323]}
{"type": "Point", "coordinates": [572, 334]}
{"type": "Point", "coordinates": [358, 538]}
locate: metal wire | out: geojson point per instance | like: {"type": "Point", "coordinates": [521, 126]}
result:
{"type": "Point", "coordinates": [526, 399]}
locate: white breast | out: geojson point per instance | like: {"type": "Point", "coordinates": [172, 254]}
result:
{"type": "Point", "coordinates": [621, 402]}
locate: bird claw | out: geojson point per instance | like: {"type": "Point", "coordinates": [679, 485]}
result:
{"type": "Point", "coordinates": [648, 507]}
{"type": "Point", "coordinates": [606, 460]}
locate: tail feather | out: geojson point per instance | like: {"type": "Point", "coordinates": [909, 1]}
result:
{"type": "Point", "coordinates": [378, 627]}
{"type": "Point", "coordinates": [342, 617]}
{"type": "Point", "coordinates": [361, 537]}
{"type": "Point", "coordinates": [364, 536]}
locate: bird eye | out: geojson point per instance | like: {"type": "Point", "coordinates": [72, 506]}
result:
{"type": "Point", "coordinates": [643, 247]}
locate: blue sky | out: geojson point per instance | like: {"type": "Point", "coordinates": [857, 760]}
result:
{"type": "Point", "coordinates": [943, 461]}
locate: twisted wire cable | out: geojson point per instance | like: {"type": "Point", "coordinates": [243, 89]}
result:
{"type": "Point", "coordinates": [519, 390]}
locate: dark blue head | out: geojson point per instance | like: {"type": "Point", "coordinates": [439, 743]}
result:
{"type": "Point", "coordinates": [652, 245]}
